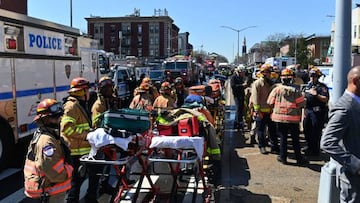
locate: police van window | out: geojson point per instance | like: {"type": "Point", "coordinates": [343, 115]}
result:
{"type": "Point", "coordinates": [120, 76]}
{"type": "Point", "coordinates": [283, 64]}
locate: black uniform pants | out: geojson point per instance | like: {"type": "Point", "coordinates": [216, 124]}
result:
{"type": "Point", "coordinates": [313, 126]}
{"type": "Point", "coordinates": [78, 179]}
{"type": "Point", "coordinates": [239, 117]}
{"type": "Point", "coordinates": [284, 129]}
{"type": "Point", "coordinates": [261, 132]}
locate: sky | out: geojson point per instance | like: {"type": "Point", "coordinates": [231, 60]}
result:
{"type": "Point", "coordinates": [204, 19]}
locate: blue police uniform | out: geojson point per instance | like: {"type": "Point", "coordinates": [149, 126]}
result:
{"type": "Point", "coordinates": [315, 116]}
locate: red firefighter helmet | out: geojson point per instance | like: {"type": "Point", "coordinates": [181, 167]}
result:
{"type": "Point", "coordinates": [48, 107]}
{"type": "Point", "coordinates": [287, 73]}
{"type": "Point", "coordinates": [78, 83]}
{"type": "Point", "coordinates": [265, 67]}
{"type": "Point", "coordinates": [165, 87]}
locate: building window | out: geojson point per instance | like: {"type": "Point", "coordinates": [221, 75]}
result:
{"type": "Point", "coordinates": [151, 41]}
{"type": "Point", "coordinates": [152, 29]}
{"type": "Point", "coordinates": [156, 52]}
{"type": "Point", "coordinates": [112, 50]}
{"type": "Point", "coordinates": [156, 40]}
{"type": "Point", "coordinates": [101, 41]}
{"type": "Point", "coordinates": [112, 40]}
{"type": "Point", "coordinates": [139, 28]}
{"type": "Point", "coordinates": [156, 29]}
{"type": "Point", "coordinates": [101, 29]}
{"type": "Point", "coordinates": [152, 52]}
{"type": "Point", "coordinates": [96, 30]}
{"type": "Point", "coordinates": [139, 52]}
{"type": "Point", "coordinates": [139, 40]}
{"type": "Point", "coordinates": [127, 42]}
{"type": "Point", "coordinates": [355, 31]}
{"type": "Point", "coordinates": [112, 29]}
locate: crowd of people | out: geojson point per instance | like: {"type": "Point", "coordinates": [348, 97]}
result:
{"type": "Point", "coordinates": [279, 103]}
{"type": "Point", "coordinates": [53, 171]}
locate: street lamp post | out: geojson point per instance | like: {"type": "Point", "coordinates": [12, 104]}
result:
{"type": "Point", "coordinates": [238, 35]}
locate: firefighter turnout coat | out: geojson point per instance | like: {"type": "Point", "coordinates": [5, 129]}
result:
{"type": "Point", "coordinates": [288, 102]}
{"type": "Point", "coordinates": [165, 101]}
{"type": "Point", "coordinates": [259, 93]}
{"type": "Point", "coordinates": [75, 125]}
{"type": "Point", "coordinates": [101, 105]}
{"type": "Point", "coordinates": [46, 169]}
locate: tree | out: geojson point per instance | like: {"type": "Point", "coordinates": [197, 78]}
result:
{"type": "Point", "coordinates": [273, 42]}
{"type": "Point", "coordinates": [298, 44]}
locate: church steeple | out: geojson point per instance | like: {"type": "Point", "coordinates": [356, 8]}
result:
{"type": "Point", "coordinates": [244, 47]}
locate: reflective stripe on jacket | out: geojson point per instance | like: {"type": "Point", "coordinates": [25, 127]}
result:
{"type": "Point", "coordinates": [260, 91]}
{"type": "Point", "coordinates": [75, 127]}
{"type": "Point", "coordinates": [287, 102]}
{"type": "Point", "coordinates": [46, 171]}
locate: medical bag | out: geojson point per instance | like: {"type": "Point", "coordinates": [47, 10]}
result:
{"type": "Point", "coordinates": [188, 127]}
{"type": "Point", "coordinates": [130, 120]}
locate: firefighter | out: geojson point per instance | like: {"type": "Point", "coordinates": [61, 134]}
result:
{"type": "Point", "coordinates": [287, 102]}
{"type": "Point", "coordinates": [143, 100]}
{"type": "Point", "coordinates": [106, 100]}
{"type": "Point", "coordinates": [238, 85]}
{"type": "Point", "coordinates": [180, 90]}
{"type": "Point", "coordinates": [259, 93]}
{"type": "Point", "coordinates": [75, 125]}
{"type": "Point", "coordinates": [167, 99]}
{"type": "Point", "coordinates": [48, 169]}
{"type": "Point", "coordinates": [316, 110]}
{"type": "Point", "coordinates": [153, 91]}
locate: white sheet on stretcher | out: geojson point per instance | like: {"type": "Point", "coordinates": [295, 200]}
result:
{"type": "Point", "coordinates": [178, 142]}
{"type": "Point", "coordinates": [100, 138]}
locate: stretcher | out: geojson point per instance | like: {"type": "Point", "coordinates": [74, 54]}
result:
{"type": "Point", "coordinates": [120, 153]}
{"type": "Point", "coordinates": [184, 156]}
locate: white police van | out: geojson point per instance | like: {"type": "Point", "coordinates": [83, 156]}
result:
{"type": "Point", "coordinates": [38, 60]}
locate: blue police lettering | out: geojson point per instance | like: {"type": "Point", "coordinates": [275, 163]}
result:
{"type": "Point", "coordinates": [45, 42]}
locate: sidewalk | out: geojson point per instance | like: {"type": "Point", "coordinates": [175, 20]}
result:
{"type": "Point", "coordinates": [250, 177]}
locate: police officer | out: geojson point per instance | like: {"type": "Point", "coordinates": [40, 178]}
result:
{"type": "Point", "coordinates": [317, 96]}
{"type": "Point", "coordinates": [75, 125]}
{"type": "Point", "coordinates": [48, 169]}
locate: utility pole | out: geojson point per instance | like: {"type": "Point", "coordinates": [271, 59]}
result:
{"type": "Point", "coordinates": [71, 13]}
{"type": "Point", "coordinates": [342, 47]}
{"type": "Point", "coordinates": [238, 38]}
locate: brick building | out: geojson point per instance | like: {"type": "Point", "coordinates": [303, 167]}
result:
{"type": "Point", "coordinates": [150, 37]}
{"type": "Point", "coordinates": [18, 6]}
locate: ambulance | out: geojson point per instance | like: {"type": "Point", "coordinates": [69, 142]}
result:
{"type": "Point", "coordinates": [38, 60]}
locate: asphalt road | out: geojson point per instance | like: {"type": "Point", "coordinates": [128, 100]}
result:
{"type": "Point", "coordinates": [247, 176]}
